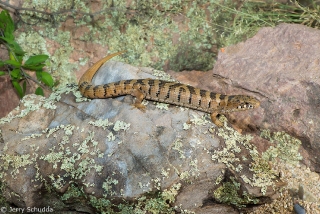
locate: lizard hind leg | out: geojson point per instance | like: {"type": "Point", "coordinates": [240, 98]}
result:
{"type": "Point", "coordinates": [139, 98]}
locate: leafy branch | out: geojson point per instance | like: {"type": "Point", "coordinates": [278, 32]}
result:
{"type": "Point", "coordinates": [15, 66]}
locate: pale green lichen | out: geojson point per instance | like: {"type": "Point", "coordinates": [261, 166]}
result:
{"type": "Point", "coordinates": [33, 136]}
{"type": "Point", "coordinates": [36, 44]}
{"type": "Point", "coordinates": [111, 136]}
{"type": "Point", "coordinates": [194, 171]}
{"type": "Point", "coordinates": [83, 61]}
{"type": "Point", "coordinates": [219, 178]}
{"type": "Point", "coordinates": [163, 75]}
{"type": "Point", "coordinates": [162, 106]}
{"type": "Point", "coordinates": [184, 211]}
{"type": "Point", "coordinates": [44, 5]}
{"type": "Point", "coordinates": [226, 157]}
{"type": "Point", "coordinates": [84, 146]}
{"type": "Point", "coordinates": [29, 105]}
{"type": "Point", "coordinates": [31, 102]}
{"type": "Point", "coordinates": [286, 148]}
{"type": "Point", "coordinates": [121, 125]}
{"type": "Point", "coordinates": [101, 123]}
{"type": "Point", "coordinates": [108, 186]}
{"type": "Point", "coordinates": [263, 176]}
{"type": "Point", "coordinates": [185, 175]}
{"type": "Point", "coordinates": [57, 181]}
{"type": "Point", "coordinates": [196, 120]}
{"type": "Point", "coordinates": [14, 163]}
{"type": "Point", "coordinates": [54, 158]}
{"type": "Point", "coordinates": [170, 194]}
{"type": "Point", "coordinates": [156, 183]}
{"type": "Point", "coordinates": [68, 129]}
{"type": "Point", "coordinates": [177, 145]}
{"type": "Point", "coordinates": [186, 126]}
{"type": "Point", "coordinates": [66, 160]}
{"type": "Point", "coordinates": [145, 186]}
{"type": "Point", "coordinates": [165, 173]}
{"type": "Point", "coordinates": [51, 131]}
{"type": "Point", "coordinates": [73, 192]}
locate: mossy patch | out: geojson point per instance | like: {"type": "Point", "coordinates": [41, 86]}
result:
{"type": "Point", "coordinates": [158, 202]}
{"type": "Point", "coordinates": [229, 193]}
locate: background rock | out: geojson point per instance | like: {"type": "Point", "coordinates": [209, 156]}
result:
{"type": "Point", "coordinates": [283, 64]}
{"type": "Point", "coordinates": [280, 66]}
{"type": "Point", "coordinates": [8, 97]}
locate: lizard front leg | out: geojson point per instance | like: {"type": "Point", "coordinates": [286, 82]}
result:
{"type": "Point", "coordinates": [139, 98]}
{"type": "Point", "coordinates": [215, 119]}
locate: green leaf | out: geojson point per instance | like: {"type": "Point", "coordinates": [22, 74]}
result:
{"type": "Point", "coordinates": [15, 73]}
{"type": "Point", "coordinates": [3, 19]}
{"type": "Point", "coordinates": [17, 49]}
{"type": "Point", "coordinates": [7, 40]}
{"type": "Point", "coordinates": [1, 63]}
{"type": "Point", "coordinates": [34, 67]}
{"type": "Point", "coordinates": [20, 58]}
{"type": "Point", "coordinates": [35, 60]}
{"type": "Point", "coordinates": [45, 77]}
{"type": "Point", "coordinates": [39, 91]}
{"type": "Point", "coordinates": [9, 32]}
{"type": "Point", "coordinates": [2, 73]}
{"type": "Point", "coordinates": [18, 88]}
{"type": "Point", "coordinates": [9, 20]}
{"type": "Point", "coordinates": [24, 87]}
{"type": "Point", "coordinates": [13, 63]}
{"type": "Point", "coordinates": [9, 26]}
{"type": "Point", "coordinates": [6, 22]}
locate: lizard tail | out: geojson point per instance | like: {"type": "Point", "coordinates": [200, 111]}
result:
{"type": "Point", "coordinates": [88, 75]}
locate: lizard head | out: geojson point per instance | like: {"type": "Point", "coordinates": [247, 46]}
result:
{"type": "Point", "coordinates": [241, 103]}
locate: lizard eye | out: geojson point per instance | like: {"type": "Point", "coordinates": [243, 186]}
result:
{"type": "Point", "coordinates": [248, 105]}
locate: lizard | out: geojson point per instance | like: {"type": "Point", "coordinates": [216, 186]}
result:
{"type": "Point", "coordinates": [166, 92]}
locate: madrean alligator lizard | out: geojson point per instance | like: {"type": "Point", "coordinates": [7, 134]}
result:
{"type": "Point", "coordinates": [167, 92]}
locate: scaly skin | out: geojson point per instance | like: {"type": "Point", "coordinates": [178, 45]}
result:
{"type": "Point", "coordinates": [166, 92]}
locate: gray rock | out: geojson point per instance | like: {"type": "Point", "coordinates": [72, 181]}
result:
{"type": "Point", "coordinates": [299, 209]}
{"type": "Point", "coordinates": [104, 150]}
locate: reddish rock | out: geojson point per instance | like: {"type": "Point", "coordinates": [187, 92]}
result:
{"type": "Point", "coordinates": [280, 66]}
{"type": "Point", "coordinates": [8, 97]}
